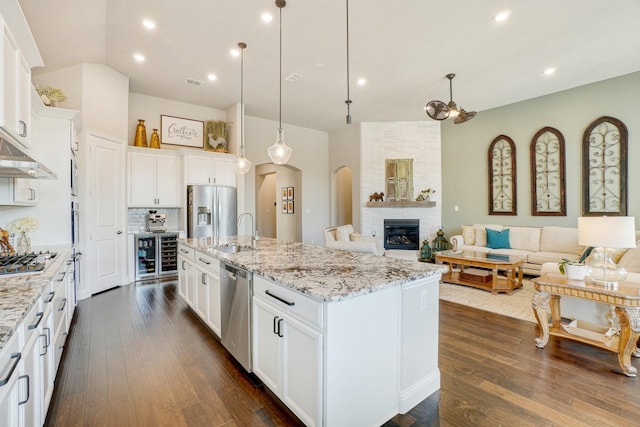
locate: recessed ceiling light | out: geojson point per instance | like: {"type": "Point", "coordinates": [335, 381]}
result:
{"type": "Point", "coordinates": [266, 17]}
{"type": "Point", "coordinates": [234, 52]}
{"type": "Point", "coordinates": [212, 77]}
{"type": "Point", "coordinates": [138, 57]}
{"type": "Point", "coordinates": [362, 81]}
{"type": "Point", "coordinates": [502, 16]}
{"type": "Point", "coordinates": [148, 24]}
{"type": "Point", "coordinates": [549, 71]}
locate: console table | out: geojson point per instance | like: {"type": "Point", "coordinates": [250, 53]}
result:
{"type": "Point", "coordinates": [625, 298]}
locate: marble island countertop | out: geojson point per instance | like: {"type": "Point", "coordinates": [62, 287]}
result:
{"type": "Point", "coordinates": [18, 294]}
{"type": "Point", "coordinates": [318, 272]}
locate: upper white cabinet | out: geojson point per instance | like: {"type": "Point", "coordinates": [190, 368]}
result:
{"type": "Point", "coordinates": [19, 54]}
{"type": "Point", "coordinates": [154, 178]}
{"type": "Point", "coordinates": [204, 168]}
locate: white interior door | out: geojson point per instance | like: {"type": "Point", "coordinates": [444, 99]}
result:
{"type": "Point", "coordinates": [106, 255]}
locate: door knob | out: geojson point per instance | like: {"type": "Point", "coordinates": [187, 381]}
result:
{"type": "Point", "coordinates": [119, 232]}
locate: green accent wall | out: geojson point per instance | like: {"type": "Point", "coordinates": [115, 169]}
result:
{"type": "Point", "coordinates": [464, 151]}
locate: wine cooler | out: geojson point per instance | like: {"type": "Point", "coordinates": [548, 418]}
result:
{"type": "Point", "coordinates": [156, 255]}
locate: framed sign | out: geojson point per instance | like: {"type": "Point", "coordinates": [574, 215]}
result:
{"type": "Point", "coordinates": [179, 131]}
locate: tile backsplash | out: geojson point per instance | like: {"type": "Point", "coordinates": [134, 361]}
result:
{"type": "Point", "coordinates": [136, 218]}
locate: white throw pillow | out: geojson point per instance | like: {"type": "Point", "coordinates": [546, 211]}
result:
{"type": "Point", "coordinates": [343, 232]}
{"type": "Point", "coordinates": [630, 261]}
{"type": "Point", "coordinates": [468, 234]}
{"type": "Point", "coordinates": [354, 237]}
{"type": "Point", "coordinates": [525, 238]}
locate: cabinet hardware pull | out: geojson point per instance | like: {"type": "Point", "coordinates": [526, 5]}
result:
{"type": "Point", "coordinates": [204, 261]}
{"type": "Point", "coordinates": [280, 328]}
{"type": "Point", "coordinates": [64, 303]}
{"type": "Point", "coordinates": [289, 303]}
{"type": "Point", "coordinates": [35, 325]}
{"type": "Point", "coordinates": [23, 128]}
{"type": "Point", "coordinates": [61, 276]}
{"type": "Point", "coordinates": [204, 279]}
{"type": "Point", "coordinates": [48, 337]}
{"type": "Point", "coordinates": [51, 295]}
{"type": "Point", "coordinates": [183, 267]}
{"type": "Point", "coordinates": [184, 251]}
{"type": "Point", "coordinates": [16, 357]}
{"type": "Point", "coordinates": [275, 323]}
{"type": "Point", "coordinates": [44, 347]}
{"type": "Point", "coordinates": [28, 389]}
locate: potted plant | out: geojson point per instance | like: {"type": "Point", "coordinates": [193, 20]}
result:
{"type": "Point", "coordinates": [573, 269]}
{"type": "Point", "coordinates": [51, 96]}
{"type": "Point", "coordinates": [217, 131]}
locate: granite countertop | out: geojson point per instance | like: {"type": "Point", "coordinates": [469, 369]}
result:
{"type": "Point", "coordinates": [318, 272]}
{"type": "Point", "coordinates": [19, 294]}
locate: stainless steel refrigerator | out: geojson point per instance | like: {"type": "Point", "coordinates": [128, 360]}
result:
{"type": "Point", "coordinates": [211, 211]}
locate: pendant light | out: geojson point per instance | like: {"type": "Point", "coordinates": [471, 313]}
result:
{"type": "Point", "coordinates": [348, 101]}
{"type": "Point", "coordinates": [279, 152]}
{"type": "Point", "coordinates": [242, 163]}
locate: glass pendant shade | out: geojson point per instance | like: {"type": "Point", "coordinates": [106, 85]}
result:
{"type": "Point", "coordinates": [243, 164]}
{"type": "Point", "coordinates": [279, 152]}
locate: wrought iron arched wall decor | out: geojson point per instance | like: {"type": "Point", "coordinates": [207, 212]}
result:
{"type": "Point", "coordinates": [502, 177]}
{"type": "Point", "coordinates": [548, 187]}
{"type": "Point", "coordinates": [604, 168]}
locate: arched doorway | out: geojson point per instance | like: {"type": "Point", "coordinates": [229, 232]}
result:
{"type": "Point", "coordinates": [342, 211]}
{"type": "Point", "coordinates": [279, 215]}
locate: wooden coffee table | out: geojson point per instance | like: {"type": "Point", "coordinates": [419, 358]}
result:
{"type": "Point", "coordinates": [482, 270]}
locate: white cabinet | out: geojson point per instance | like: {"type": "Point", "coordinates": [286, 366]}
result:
{"type": "Point", "coordinates": [31, 371]}
{"type": "Point", "coordinates": [287, 348]}
{"type": "Point", "coordinates": [186, 273]}
{"type": "Point", "coordinates": [10, 357]}
{"type": "Point", "coordinates": [154, 179]}
{"type": "Point", "coordinates": [18, 192]}
{"type": "Point", "coordinates": [208, 295]}
{"type": "Point", "coordinates": [15, 106]}
{"type": "Point", "coordinates": [209, 169]}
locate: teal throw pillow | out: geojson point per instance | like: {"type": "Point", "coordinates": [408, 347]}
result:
{"type": "Point", "coordinates": [498, 239]}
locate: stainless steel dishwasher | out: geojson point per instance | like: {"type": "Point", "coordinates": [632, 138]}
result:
{"type": "Point", "coordinates": [236, 289]}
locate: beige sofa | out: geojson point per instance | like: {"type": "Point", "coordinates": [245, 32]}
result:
{"type": "Point", "coordinates": [344, 237]}
{"type": "Point", "coordinates": [538, 245]}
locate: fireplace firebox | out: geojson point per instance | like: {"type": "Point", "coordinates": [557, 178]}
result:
{"type": "Point", "coordinates": [402, 234]}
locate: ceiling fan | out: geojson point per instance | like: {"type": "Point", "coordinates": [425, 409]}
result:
{"type": "Point", "coordinates": [438, 110]}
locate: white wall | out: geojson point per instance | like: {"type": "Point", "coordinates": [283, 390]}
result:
{"type": "Point", "coordinates": [310, 155]}
{"type": "Point", "coordinates": [419, 141]}
{"type": "Point", "coordinates": [464, 150]}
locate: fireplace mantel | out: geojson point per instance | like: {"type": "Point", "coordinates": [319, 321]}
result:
{"type": "Point", "coordinates": [401, 204]}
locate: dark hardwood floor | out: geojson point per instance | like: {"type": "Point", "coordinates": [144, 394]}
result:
{"type": "Point", "coordinates": [137, 356]}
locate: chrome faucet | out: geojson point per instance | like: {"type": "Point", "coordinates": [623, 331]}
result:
{"type": "Point", "coordinates": [254, 233]}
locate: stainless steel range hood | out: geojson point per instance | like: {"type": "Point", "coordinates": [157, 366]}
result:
{"type": "Point", "coordinates": [15, 163]}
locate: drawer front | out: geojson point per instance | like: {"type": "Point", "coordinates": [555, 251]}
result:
{"type": "Point", "coordinates": [288, 301]}
{"type": "Point", "coordinates": [208, 262]}
{"type": "Point", "coordinates": [186, 252]}
{"type": "Point", "coordinates": [59, 303]}
{"type": "Point", "coordinates": [9, 358]}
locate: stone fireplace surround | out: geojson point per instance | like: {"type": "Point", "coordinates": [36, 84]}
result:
{"type": "Point", "coordinates": [419, 141]}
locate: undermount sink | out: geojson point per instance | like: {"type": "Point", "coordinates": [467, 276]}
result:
{"type": "Point", "coordinates": [232, 249]}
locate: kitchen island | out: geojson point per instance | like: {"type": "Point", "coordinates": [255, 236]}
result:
{"type": "Point", "coordinates": [342, 338]}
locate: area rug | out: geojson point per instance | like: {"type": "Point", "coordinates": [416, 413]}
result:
{"type": "Point", "coordinates": [517, 305]}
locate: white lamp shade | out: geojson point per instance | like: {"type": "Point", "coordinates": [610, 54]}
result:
{"type": "Point", "coordinates": [607, 231]}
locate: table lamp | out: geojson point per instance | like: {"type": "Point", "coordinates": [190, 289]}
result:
{"type": "Point", "coordinates": [606, 233]}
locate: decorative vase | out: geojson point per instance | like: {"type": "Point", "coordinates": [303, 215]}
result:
{"type": "Point", "coordinates": [575, 272]}
{"type": "Point", "coordinates": [141, 135]}
{"type": "Point", "coordinates": [23, 243]}
{"type": "Point", "coordinates": [155, 139]}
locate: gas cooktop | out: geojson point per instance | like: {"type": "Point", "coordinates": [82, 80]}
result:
{"type": "Point", "coordinates": [25, 263]}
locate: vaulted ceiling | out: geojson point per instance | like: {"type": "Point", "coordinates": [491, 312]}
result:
{"type": "Point", "coordinates": [403, 48]}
